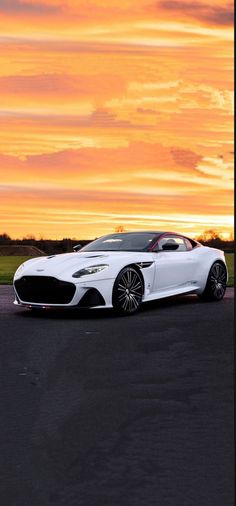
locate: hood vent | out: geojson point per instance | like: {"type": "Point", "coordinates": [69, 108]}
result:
{"type": "Point", "coordinates": [94, 256]}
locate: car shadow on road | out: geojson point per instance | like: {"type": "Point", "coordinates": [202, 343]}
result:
{"type": "Point", "coordinates": [91, 314]}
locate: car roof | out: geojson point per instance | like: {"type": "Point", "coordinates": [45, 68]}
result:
{"type": "Point", "coordinates": [140, 232]}
{"type": "Point", "coordinates": [156, 232]}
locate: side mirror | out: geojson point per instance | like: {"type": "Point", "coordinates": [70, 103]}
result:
{"type": "Point", "coordinates": [77, 247]}
{"type": "Point", "coordinates": [170, 247]}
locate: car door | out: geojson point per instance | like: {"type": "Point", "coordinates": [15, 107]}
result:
{"type": "Point", "coordinates": [174, 263]}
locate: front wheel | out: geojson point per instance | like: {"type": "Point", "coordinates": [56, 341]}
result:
{"type": "Point", "coordinates": [216, 283]}
{"type": "Point", "coordinates": [127, 291]}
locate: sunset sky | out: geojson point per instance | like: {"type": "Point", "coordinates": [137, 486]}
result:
{"type": "Point", "coordinates": [115, 112]}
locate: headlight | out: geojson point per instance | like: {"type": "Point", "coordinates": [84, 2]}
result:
{"type": "Point", "coordinates": [89, 270]}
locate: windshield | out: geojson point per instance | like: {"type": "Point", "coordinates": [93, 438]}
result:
{"type": "Point", "coordinates": [122, 242]}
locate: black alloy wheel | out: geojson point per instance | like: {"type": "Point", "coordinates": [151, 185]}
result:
{"type": "Point", "coordinates": [127, 291]}
{"type": "Point", "coordinates": [216, 283]}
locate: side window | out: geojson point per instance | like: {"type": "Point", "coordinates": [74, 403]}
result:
{"type": "Point", "coordinates": [173, 243]}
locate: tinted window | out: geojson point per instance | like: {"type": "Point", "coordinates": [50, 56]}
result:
{"type": "Point", "coordinates": [122, 242]}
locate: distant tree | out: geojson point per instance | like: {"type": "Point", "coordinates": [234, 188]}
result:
{"type": "Point", "coordinates": [120, 229]}
{"type": "Point", "coordinates": [209, 235]}
{"type": "Point", "coordinates": [216, 240]}
{"type": "Point", "coordinates": [5, 238]}
{"type": "Point", "coordinates": [29, 237]}
{"type": "Point", "coordinates": [66, 244]}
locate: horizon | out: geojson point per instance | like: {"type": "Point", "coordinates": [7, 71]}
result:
{"type": "Point", "coordinates": [116, 114]}
{"type": "Point", "coordinates": [31, 237]}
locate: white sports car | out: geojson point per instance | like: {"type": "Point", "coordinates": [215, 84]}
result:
{"type": "Point", "coordinates": [122, 270]}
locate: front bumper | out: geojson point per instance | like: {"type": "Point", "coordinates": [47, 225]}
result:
{"type": "Point", "coordinates": [55, 293]}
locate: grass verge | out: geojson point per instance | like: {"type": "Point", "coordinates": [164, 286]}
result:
{"type": "Point", "coordinates": [9, 264]}
{"type": "Point", "coordinates": [229, 257]}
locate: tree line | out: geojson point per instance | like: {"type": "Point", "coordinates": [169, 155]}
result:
{"type": "Point", "coordinates": [54, 246]}
{"type": "Point", "coordinates": [48, 246]}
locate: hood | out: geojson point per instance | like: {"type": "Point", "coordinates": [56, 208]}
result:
{"type": "Point", "coordinates": [68, 263]}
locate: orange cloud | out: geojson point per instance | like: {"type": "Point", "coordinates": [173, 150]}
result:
{"type": "Point", "coordinates": [201, 11]}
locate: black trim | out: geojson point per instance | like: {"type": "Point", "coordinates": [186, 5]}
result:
{"type": "Point", "coordinates": [92, 298]}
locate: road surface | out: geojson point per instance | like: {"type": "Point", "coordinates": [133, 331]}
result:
{"type": "Point", "coordinates": [100, 410]}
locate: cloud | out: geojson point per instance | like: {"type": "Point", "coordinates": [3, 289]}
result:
{"type": "Point", "coordinates": [108, 207]}
{"type": "Point", "coordinates": [215, 14]}
{"type": "Point", "coordinates": [185, 157]}
{"type": "Point", "coordinates": [136, 156]}
{"type": "Point", "coordinates": [90, 191]}
{"type": "Point", "coordinates": [24, 6]}
{"type": "Point", "coordinates": [98, 119]}
{"type": "Point", "coordinates": [62, 85]}
{"type": "Point", "coordinates": [139, 167]}
{"type": "Point", "coordinates": [107, 119]}
{"type": "Point", "coordinates": [142, 110]}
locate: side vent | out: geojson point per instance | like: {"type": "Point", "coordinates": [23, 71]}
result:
{"type": "Point", "coordinates": [144, 265]}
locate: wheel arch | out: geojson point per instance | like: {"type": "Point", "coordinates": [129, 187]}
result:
{"type": "Point", "coordinates": [220, 261]}
{"type": "Point", "coordinates": [215, 290]}
{"type": "Point", "coordinates": [210, 265]}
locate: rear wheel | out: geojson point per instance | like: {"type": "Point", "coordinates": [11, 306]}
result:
{"type": "Point", "coordinates": [216, 283]}
{"type": "Point", "coordinates": [127, 291]}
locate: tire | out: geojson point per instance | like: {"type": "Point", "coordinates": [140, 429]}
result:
{"type": "Point", "coordinates": [127, 291]}
{"type": "Point", "coordinates": [216, 283]}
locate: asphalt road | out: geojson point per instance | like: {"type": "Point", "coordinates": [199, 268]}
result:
{"type": "Point", "coordinates": [99, 410]}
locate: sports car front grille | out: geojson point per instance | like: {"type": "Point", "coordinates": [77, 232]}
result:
{"type": "Point", "coordinates": [44, 290]}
